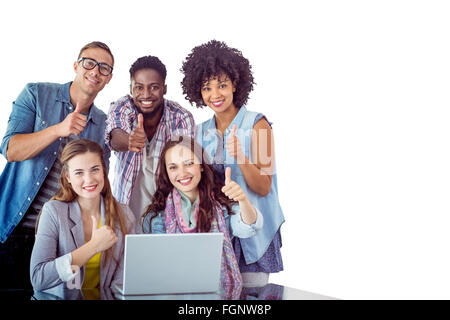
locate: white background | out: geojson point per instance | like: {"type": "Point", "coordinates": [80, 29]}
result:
{"type": "Point", "coordinates": [358, 93]}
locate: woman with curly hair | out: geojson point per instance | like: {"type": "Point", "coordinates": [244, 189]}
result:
{"type": "Point", "coordinates": [219, 77]}
{"type": "Point", "coordinates": [80, 232]}
{"type": "Point", "coordinates": [190, 198]}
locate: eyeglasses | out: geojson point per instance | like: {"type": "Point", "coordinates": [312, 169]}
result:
{"type": "Point", "coordinates": [90, 64]}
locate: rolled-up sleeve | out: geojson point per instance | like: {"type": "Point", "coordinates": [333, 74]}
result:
{"type": "Point", "coordinates": [22, 117]}
{"type": "Point", "coordinates": [239, 228]}
{"type": "Point", "coordinates": [64, 268]}
{"type": "Point", "coordinates": [120, 116]}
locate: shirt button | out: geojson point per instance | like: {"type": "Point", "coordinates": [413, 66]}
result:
{"type": "Point", "coordinates": [45, 168]}
{"type": "Point", "coordinates": [54, 153]}
{"type": "Point", "coordinates": [29, 198]}
{"type": "Point", "coordinates": [43, 122]}
{"type": "Point", "coordinates": [20, 213]}
{"type": "Point", "coordinates": [37, 183]}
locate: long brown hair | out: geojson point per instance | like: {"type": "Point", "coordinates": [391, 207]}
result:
{"type": "Point", "coordinates": [209, 187]}
{"type": "Point", "coordinates": [113, 212]}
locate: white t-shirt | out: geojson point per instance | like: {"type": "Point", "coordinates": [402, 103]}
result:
{"type": "Point", "coordinates": [145, 185]}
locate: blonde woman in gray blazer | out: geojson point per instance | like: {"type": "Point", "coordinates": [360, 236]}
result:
{"type": "Point", "coordinates": [69, 234]}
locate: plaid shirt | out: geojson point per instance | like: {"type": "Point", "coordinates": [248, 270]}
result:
{"type": "Point", "coordinates": [123, 114]}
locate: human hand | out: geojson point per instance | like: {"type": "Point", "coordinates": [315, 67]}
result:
{"type": "Point", "coordinates": [137, 138]}
{"type": "Point", "coordinates": [234, 147]}
{"type": "Point", "coordinates": [231, 189]}
{"type": "Point", "coordinates": [102, 238]}
{"type": "Point", "coordinates": [74, 123]}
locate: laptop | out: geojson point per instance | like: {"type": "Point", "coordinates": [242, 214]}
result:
{"type": "Point", "coordinates": [171, 263]}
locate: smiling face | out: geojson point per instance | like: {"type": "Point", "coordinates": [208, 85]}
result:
{"type": "Point", "coordinates": [85, 174]}
{"type": "Point", "coordinates": [184, 170]}
{"type": "Point", "coordinates": [148, 90]}
{"type": "Point", "coordinates": [91, 82]}
{"type": "Point", "coordinates": [217, 93]}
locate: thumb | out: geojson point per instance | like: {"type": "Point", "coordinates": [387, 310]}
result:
{"type": "Point", "coordinates": [227, 175]}
{"type": "Point", "coordinates": [78, 107]}
{"type": "Point", "coordinates": [233, 130]}
{"type": "Point", "coordinates": [94, 223]}
{"type": "Point", "coordinates": [140, 124]}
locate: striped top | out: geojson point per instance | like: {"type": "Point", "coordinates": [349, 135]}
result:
{"type": "Point", "coordinates": [49, 187]}
{"type": "Point", "coordinates": [123, 114]}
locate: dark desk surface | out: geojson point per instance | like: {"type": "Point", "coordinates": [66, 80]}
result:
{"type": "Point", "coordinates": [268, 292]}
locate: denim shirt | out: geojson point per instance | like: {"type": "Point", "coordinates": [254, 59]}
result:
{"type": "Point", "coordinates": [38, 106]}
{"type": "Point", "coordinates": [212, 142]}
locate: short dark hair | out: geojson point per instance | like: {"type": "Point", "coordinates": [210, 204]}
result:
{"type": "Point", "coordinates": [149, 62]}
{"type": "Point", "coordinates": [210, 60]}
{"type": "Point", "coordinates": [96, 44]}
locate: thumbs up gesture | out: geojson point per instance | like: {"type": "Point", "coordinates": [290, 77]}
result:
{"type": "Point", "coordinates": [102, 238]}
{"type": "Point", "coordinates": [231, 189]}
{"type": "Point", "coordinates": [137, 138]}
{"type": "Point", "coordinates": [234, 146]}
{"type": "Point", "coordinates": [74, 123]}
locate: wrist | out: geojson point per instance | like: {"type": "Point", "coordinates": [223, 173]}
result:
{"type": "Point", "coordinates": [248, 214]}
{"type": "Point", "coordinates": [245, 202]}
{"type": "Point", "coordinates": [56, 130]}
{"type": "Point", "coordinates": [93, 247]}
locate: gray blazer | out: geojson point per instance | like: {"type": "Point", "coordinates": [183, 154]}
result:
{"type": "Point", "coordinates": [60, 232]}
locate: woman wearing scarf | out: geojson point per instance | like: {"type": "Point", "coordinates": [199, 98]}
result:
{"type": "Point", "coordinates": [190, 198]}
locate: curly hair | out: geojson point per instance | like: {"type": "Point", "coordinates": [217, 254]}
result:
{"type": "Point", "coordinates": [210, 60]}
{"type": "Point", "coordinates": [209, 187]}
{"type": "Point", "coordinates": [149, 62]}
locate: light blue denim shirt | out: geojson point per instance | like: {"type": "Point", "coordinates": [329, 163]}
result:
{"type": "Point", "coordinates": [212, 141]}
{"type": "Point", "coordinates": [38, 106]}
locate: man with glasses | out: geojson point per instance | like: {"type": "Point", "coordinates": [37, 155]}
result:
{"type": "Point", "coordinates": [44, 117]}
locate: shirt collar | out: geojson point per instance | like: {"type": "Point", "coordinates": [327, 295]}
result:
{"type": "Point", "coordinates": [64, 93]}
{"type": "Point", "coordinates": [166, 112]}
{"type": "Point", "coordinates": [130, 101]}
{"type": "Point", "coordinates": [237, 120]}
{"type": "Point", "coordinates": [185, 199]}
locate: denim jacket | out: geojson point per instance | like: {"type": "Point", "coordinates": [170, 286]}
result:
{"type": "Point", "coordinates": [38, 106]}
{"type": "Point", "coordinates": [209, 137]}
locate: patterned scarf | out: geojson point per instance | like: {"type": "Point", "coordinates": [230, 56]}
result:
{"type": "Point", "coordinates": [175, 223]}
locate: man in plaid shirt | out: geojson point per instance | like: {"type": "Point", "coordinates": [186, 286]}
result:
{"type": "Point", "coordinates": [138, 127]}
